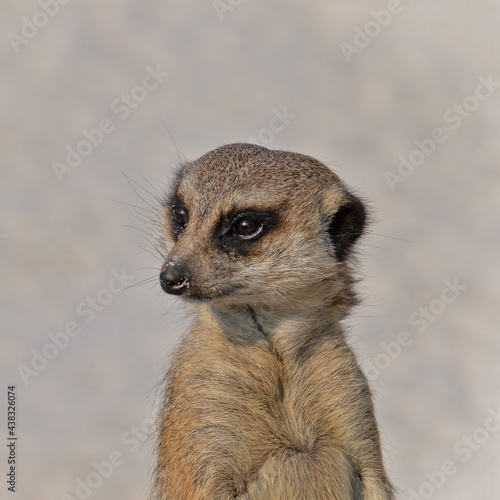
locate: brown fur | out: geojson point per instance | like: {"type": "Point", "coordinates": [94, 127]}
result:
{"type": "Point", "coordinates": [264, 399]}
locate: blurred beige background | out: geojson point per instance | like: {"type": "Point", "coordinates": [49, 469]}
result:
{"type": "Point", "coordinates": [359, 85]}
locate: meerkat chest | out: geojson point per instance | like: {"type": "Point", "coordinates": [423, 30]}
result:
{"type": "Point", "coordinates": [248, 390]}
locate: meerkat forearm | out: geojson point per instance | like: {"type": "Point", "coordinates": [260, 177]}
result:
{"type": "Point", "coordinates": [264, 398]}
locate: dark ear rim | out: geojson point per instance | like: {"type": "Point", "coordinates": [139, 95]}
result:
{"type": "Point", "coordinates": [346, 226]}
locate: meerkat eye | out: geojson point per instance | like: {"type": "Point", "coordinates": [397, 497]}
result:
{"type": "Point", "coordinates": [247, 227]}
{"type": "Point", "coordinates": [179, 216]}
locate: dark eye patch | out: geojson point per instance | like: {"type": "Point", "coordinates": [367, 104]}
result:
{"type": "Point", "coordinates": [237, 231]}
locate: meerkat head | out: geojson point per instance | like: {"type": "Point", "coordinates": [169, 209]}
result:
{"type": "Point", "coordinates": [247, 225]}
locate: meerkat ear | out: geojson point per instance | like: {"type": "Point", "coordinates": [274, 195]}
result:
{"type": "Point", "coordinates": [347, 225]}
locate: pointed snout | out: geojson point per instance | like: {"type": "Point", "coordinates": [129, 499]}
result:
{"type": "Point", "coordinates": [174, 279]}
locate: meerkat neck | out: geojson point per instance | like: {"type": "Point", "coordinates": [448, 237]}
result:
{"type": "Point", "coordinates": [287, 327]}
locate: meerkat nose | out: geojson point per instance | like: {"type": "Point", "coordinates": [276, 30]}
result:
{"type": "Point", "coordinates": [174, 279]}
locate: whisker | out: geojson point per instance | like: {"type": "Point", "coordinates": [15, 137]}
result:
{"type": "Point", "coordinates": [391, 237]}
{"type": "Point", "coordinates": [142, 282]}
{"type": "Point", "coordinates": [173, 140]}
{"type": "Point", "coordinates": [152, 254]}
{"type": "Point", "coordinates": [132, 183]}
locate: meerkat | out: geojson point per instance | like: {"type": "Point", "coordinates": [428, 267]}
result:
{"type": "Point", "coordinates": [264, 399]}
